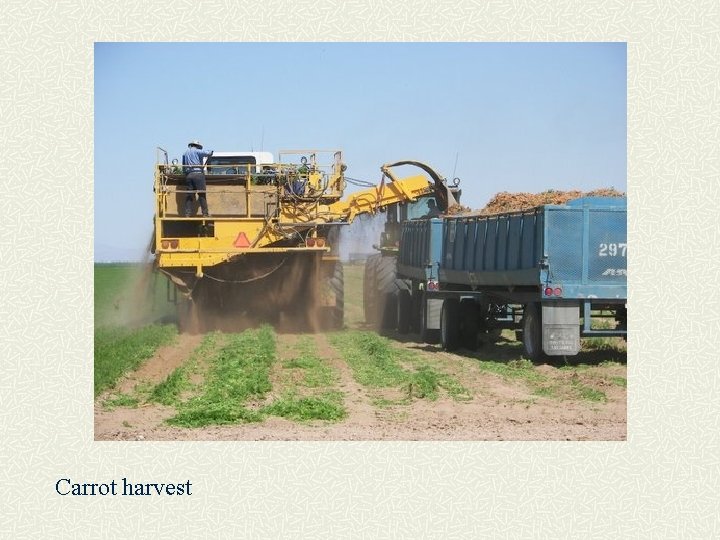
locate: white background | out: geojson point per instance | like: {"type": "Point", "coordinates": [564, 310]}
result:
{"type": "Point", "coordinates": [663, 482]}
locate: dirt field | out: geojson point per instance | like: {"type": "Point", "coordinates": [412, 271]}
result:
{"type": "Point", "coordinates": [584, 401]}
{"type": "Point", "coordinates": [499, 410]}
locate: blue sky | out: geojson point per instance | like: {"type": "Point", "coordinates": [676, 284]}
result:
{"type": "Point", "coordinates": [500, 116]}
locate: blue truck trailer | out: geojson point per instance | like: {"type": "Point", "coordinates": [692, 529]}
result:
{"type": "Point", "coordinates": [554, 274]}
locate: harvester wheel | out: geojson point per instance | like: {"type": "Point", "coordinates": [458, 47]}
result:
{"type": "Point", "coordinates": [337, 286]}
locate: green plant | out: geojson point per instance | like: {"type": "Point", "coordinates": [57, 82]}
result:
{"type": "Point", "coordinates": [240, 371]}
{"type": "Point", "coordinates": [376, 363]}
{"type": "Point", "coordinates": [371, 358]}
{"type": "Point", "coordinates": [167, 391]}
{"type": "Point", "coordinates": [327, 406]}
{"type": "Point", "coordinates": [317, 373]}
{"type": "Point", "coordinates": [545, 391]}
{"type": "Point", "coordinates": [423, 384]}
{"type": "Point", "coordinates": [119, 350]}
{"type": "Point", "coordinates": [514, 369]}
{"type": "Point", "coordinates": [121, 400]}
{"type": "Point", "coordinates": [521, 364]}
{"type": "Point", "coordinates": [609, 363]}
{"type": "Point", "coordinates": [588, 393]}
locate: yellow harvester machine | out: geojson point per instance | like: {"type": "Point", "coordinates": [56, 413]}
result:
{"type": "Point", "coordinates": [269, 251]}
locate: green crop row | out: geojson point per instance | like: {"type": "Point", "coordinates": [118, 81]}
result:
{"type": "Point", "coordinates": [376, 362]}
{"type": "Point", "coordinates": [120, 350]}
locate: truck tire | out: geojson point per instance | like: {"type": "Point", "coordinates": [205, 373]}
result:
{"type": "Point", "coordinates": [532, 332]}
{"type": "Point", "coordinates": [450, 324]}
{"type": "Point", "coordinates": [404, 311]}
{"type": "Point", "coordinates": [469, 324]}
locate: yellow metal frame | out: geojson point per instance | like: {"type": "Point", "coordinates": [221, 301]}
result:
{"type": "Point", "coordinates": [319, 205]}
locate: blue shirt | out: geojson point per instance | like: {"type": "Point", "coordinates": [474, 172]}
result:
{"type": "Point", "coordinates": [194, 156]}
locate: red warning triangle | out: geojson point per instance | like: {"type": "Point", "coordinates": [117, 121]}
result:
{"type": "Point", "coordinates": [241, 241]}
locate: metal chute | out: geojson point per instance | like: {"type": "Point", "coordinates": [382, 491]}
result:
{"type": "Point", "coordinates": [443, 195]}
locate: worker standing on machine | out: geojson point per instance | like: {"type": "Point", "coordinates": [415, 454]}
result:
{"type": "Point", "coordinates": [192, 161]}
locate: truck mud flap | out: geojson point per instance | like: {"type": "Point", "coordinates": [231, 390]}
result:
{"type": "Point", "coordinates": [561, 329]}
{"type": "Point", "coordinates": [430, 325]}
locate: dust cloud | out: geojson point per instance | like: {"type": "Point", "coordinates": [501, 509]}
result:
{"type": "Point", "coordinates": [284, 290]}
{"type": "Point", "coordinates": [141, 299]}
{"type": "Point", "coordinates": [357, 239]}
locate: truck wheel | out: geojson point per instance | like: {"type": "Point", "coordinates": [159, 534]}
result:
{"type": "Point", "coordinates": [404, 311]}
{"type": "Point", "coordinates": [450, 324]}
{"type": "Point", "coordinates": [532, 332]}
{"type": "Point", "coordinates": [469, 324]}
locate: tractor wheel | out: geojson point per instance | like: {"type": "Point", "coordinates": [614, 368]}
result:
{"type": "Point", "coordinates": [380, 292]}
{"type": "Point", "coordinates": [370, 290]}
{"type": "Point", "coordinates": [388, 289]}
